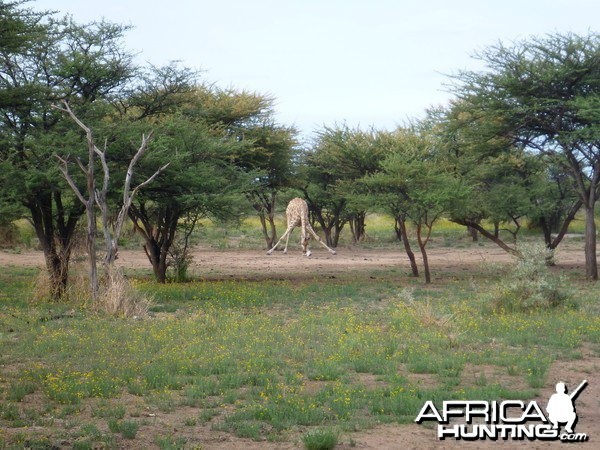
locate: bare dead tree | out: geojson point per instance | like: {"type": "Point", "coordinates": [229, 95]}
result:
{"type": "Point", "coordinates": [112, 232]}
{"type": "Point", "coordinates": [88, 202]}
{"type": "Point", "coordinates": [111, 236]}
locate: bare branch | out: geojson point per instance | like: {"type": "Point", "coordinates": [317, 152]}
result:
{"type": "Point", "coordinates": [132, 163]}
{"type": "Point", "coordinates": [98, 196]}
{"type": "Point", "coordinates": [149, 180]}
{"type": "Point", "coordinates": [88, 132]}
{"type": "Point", "coordinates": [64, 168]}
{"type": "Point", "coordinates": [103, 192]}
{"type": "Point", "coordinates": [81, 166]}
{"type": "Point", "coordinates": [68, 110]}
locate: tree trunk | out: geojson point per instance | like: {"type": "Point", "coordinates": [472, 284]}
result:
{"type": "Point", "coordinates": [331, 229]}
{"type": "Point", "coordinates": [157, 255]}
{"type": "Point", "coordinates": [547, 232]}
{"type": "Point", "coordinates": [473, 233]}
{"type": "Point", "coordinates": [591, 264]}
{"type": "Point", "coordinates": [55, 230]}
{"type": "Point", "coordinates": [267, 222]}
{"type": "Point", "coordinates": [158, 237]}
{"type": "Point", "coordinates": [422, 245]}
{"type": "Point", "coordinates": [264, 204]}
{"type": "Point", "coordinates": [357, 226]}
{"type": "Point", "coordinates": [58, 272]}
{"type": "Point", "coordinates": [90, 243]}
{"type": "Point", "coordinates": [159, 266]}
{"type": "Point", "coordinates": [492, 237]}
{"type": "Point", "coordinates": [335, 238]}
{"type": "Point", "coordinates": [273, 234]}
{"type": "Point", "coordinates": [89, 202]}
{"type": "Point", "coordinates": [157, 260]}
{"type": "Point", "coordinates": [57, 265]}
{"type": "Point", "coordinates": [565, 225]}
{"type": "Point", "coordinates": [400, 227]}
{"type": "Point", "coordinates": [330, 220]}
{"type": "Point", "coordinates": [327, 232]}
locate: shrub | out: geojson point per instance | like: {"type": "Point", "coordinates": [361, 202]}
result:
{"type": "Point", "coordinates": [180, 259]}
{"type": "Point", "coordinates": [128, 429]}
{"type": "Point", "coordinates": [530, 284]}
{"type": "Point", "coordinates": [325, 439]}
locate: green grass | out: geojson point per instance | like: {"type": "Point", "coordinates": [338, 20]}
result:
{"type": "Point", "coordinates": [128, 429]}
{"type": "Point", "coordinates": [264, 360]}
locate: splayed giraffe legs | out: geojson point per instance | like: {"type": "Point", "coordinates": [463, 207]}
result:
{"type": "Point", "coordinates": [297, 215]}
{"type": "Point", "coordinates": [285, 236]}
{"type": "Point", "coordinates": [318, 239]}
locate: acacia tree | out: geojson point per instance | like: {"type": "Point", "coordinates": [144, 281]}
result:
{"type": "Point", "coordinates": [356, 153]}
{"type": "Point", "coordinates": [381, 190]}
{"type": "Point", "coordinates": [542, 95]}
{"type": "Point", "coordinates": [209, 167]}
{"type": "Point", "coordinates": [325, 205]}
{"type": "Point", "coordinates": [340, 156]}
{"type": "Point", "coordinates": [267, 157]}
{"type": "Point", "coordinates": [414, 183]}
{"type": "Point", "coordinates": [556, 203]}
{"type": "Point", "coordinates": [44, 61]}
{"type": "Point", "coordinates": [269, 149]}
{"type": "Point", "coordinates": [200, 181]}
{"type": "Point", "coordinates": [270, 154]}
{"type": "Point", "coordinates": [508, 184]}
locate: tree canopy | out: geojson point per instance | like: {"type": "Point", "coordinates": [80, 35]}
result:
{"type": "Point", "coordinates": [519, 143]}
{"type": "Point", "coordinates": [45, 61]}
{"type": "Point", "coordinates": [541, 95]}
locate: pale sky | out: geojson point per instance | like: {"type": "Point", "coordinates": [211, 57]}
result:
{"type": "Point", "coordinates": [363, 62]}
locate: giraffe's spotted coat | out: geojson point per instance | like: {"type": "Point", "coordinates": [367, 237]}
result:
{"type": "Point", "coordinates": [297, 216]}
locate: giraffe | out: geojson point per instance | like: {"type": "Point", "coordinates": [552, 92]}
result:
{"type": "Point", "coordinates": [297, 215]}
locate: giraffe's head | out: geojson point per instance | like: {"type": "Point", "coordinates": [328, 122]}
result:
{"type": "Point", "coordinates": [304, 242]}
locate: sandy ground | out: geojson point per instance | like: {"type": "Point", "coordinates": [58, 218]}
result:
{"type": "Point", "coordinates": [349, 262]}
{"type": "Point", "coordinates": [256, 264]}
{"type": "Point", "coordinates": [209, 263]}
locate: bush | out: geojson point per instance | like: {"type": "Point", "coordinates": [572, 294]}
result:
{"type": "Point", "coordinates": [530, 284]}
{"type": "Point", "coordinates": [320, 440]}
{"type": "Point", "coordinates": [128, 429]}
{"type": "Point", "coordinates": [180, 259]}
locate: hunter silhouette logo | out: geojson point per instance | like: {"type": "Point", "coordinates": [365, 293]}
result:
{"type": "Point", "coordinates": [561, 408]}
{"type": "Point", "coordinates": [508, 419]}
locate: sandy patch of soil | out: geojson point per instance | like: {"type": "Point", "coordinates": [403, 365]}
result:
{"type": "Point", "coordinates": [256, 264]}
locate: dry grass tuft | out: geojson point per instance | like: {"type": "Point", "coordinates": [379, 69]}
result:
{"type": "Point", "coordinates": [429, 318]}
{"type": "Point", "coordinates": [40, 287]}
{"type": "Point", "coordinates": [118, 298]}
{"type": "Point", "coordinates": [79, 286]}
